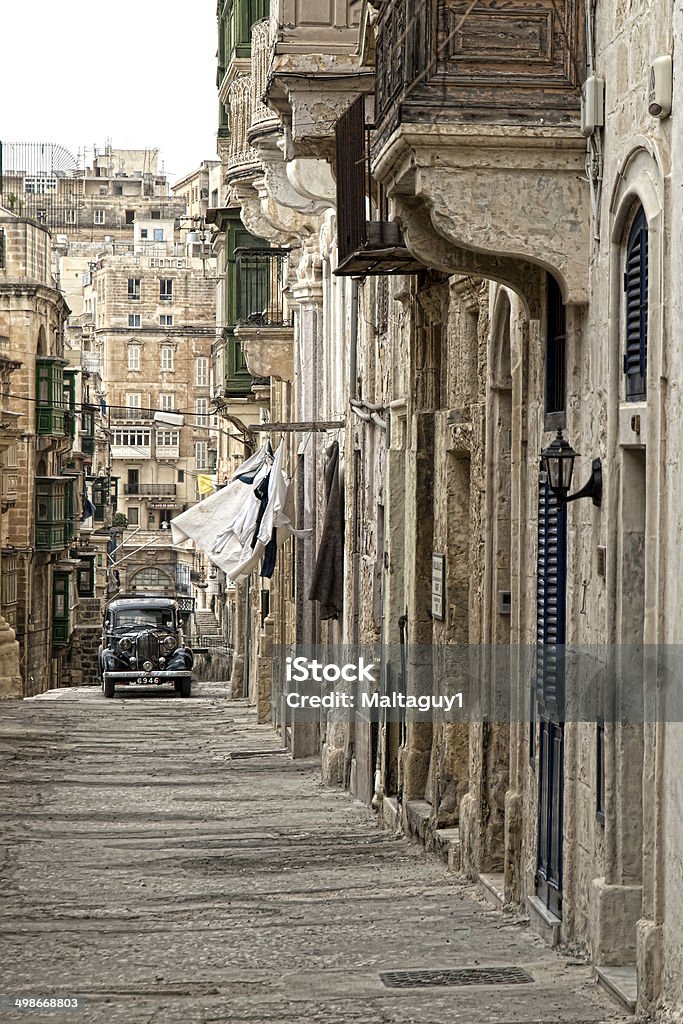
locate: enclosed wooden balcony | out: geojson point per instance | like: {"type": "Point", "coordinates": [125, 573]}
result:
{"type": "Point", "coordinates": [51, 403]}
{"type": "Point", "coordinates": [478, 139]}
{"type": "Point", "coordinates": [515, 63]}
{"type": "Point", "coordinates": [51, 513]}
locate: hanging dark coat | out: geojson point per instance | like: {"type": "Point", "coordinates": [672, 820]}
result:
{"type": "Point", "coordinates": [327, 585]}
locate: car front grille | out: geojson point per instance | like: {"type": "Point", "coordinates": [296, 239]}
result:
{"type": "Point", "coordinates": [147, 648]}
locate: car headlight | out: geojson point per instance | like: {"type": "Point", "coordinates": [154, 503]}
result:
{"type": "Point", "coordinates": [169, 643]}
{"type": "Point", "coordinates": [125, 644]}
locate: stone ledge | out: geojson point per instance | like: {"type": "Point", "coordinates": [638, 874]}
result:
{"type": "Point", "coordinates": [447, 847]}
{"type": "Point", "coordinates": [391, 814]}
{"type": "Point", "coordinates": [543, 921]}
{"type": "Point", "coordinates": [621, 983]}
{"type": "Point", "coordinates": [492, 887]}
{"type": "Point", "coordinates": [417, 814]}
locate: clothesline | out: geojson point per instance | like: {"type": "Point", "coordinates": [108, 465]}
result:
{"type": "Point", "coordinates": [303, 427]}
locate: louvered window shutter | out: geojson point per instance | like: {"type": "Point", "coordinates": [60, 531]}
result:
{"type": "Point", "coordinates": [636, 289]}
{"type": "Point", "coordinates": [551, 598]}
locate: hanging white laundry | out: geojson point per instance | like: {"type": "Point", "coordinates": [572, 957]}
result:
{"type": "Point", "coordinates": [205, 523]}
{"type": "Point", "coordinates": [274, 517]}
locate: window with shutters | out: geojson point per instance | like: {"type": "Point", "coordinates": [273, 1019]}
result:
{"type": "Point", "coordinates": [555, 358]}
{"type": "Point", "coordinates": [551, 597]}
{"type": "Point", "coordinates": [636, 301]}
{"type": "Point", "coordinates": [201, 372]}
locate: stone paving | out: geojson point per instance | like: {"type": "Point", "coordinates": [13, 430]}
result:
{"type": "Point", "coordinates": [166, 863]}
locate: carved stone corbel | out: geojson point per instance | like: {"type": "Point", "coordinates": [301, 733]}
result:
{"type": "Point", "coordinates": [435, 250]}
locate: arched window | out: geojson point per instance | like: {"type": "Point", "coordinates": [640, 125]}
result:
{"type": "Point", "coordinates": [151, 580]}
{"type": "Point", "coordinates": [636, 289]}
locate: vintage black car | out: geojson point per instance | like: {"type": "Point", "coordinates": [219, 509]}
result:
{"type": "Point", "coordinates": [142, 642]}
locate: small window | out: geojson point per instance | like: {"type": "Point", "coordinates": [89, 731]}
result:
{"type": "Point", "coordinates": [133, 359]}
{"type": "Point", "coordinates": [156, 214]}
{"type": "Point", "coordinates": [181, 476]}
{"type": "Point", "coordinates": [85, 578]}
{"type": "Point", "coordinates": [166, 320]}
{"type": "Point", "coordinates": [166, 357]}
{"type": "Point", "coordinates": [201, 455]}
{"type": "Point", "coordinates": [99, 217]}
{"type": "Point", "coordinates": [201, 412]}
{"type": "Point", "coordinates": [71, 216]}
{"type": "Point", "coordinates": [133, 399]}
{"type": "Point", "coordinates": [134, 287]}
{"type": "Point", "coordinates": [133, 515]}
{"type": "Point", "coordinates": [166, 289]}
{"type": "Point", "coordinates": [166, 402]}
{"type": "Point", "coordinates": [167, 438]}
{"type": "Point", "coordinates": [158, 234]}
{"type": "Point", "coordinates": [636, 296]}
{"type": "Point", "coordinates": [201, 376]}
{"type": "Point", "coordinates": [144, 233]}
{"type": "Point", "coordinates": [130, 216]}
{"type": "Point", "coordinates": [134, 320]}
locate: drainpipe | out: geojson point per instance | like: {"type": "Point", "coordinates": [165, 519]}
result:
{"type": "Point", "coordinates": [371, 416]}
{"type": "Point", "coordinates": [353, 355]}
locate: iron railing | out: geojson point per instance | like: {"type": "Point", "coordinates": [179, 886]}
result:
{"type": "Point", "coordinates": [144, 490]}
{"type": "Point", "coordinates": [37, 181]}
{"type": "Point", "coordinates": [261, 276]}
{"type": "Point", "coordinates": [131, 414]}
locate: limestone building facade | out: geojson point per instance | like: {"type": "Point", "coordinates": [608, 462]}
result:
{"type": "Point", "coordinates": [453, 329]}
{"type": "Point", "coordinates": [42, 569]}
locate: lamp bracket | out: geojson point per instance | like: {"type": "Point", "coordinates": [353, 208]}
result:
{"type": "Point", "coordinates": [593, 488]}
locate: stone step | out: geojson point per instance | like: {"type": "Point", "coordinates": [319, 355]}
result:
{"type": "Point", "coordinates": [492, 886]}
{"type": "Point", "coordinates": [447, 847]}
{"type": "Point", "coordinates": [621, 983]}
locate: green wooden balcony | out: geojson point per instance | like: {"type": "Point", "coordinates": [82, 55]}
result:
{"type": "Point", "coordinates": [51, 526]}
{"type": "Point", "coordinates": [51, 406]}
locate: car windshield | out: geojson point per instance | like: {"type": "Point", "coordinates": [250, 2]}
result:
{"type": "Point", "coordinates": [145, 617]}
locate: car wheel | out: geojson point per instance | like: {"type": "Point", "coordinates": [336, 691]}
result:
{"type": "Point", "coordinates": [108, 687]}
{"type": "Point", "coordinates": [185, 687]}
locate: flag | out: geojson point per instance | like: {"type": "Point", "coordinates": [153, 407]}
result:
{"type": "Point", "coordinates": [204, 483]}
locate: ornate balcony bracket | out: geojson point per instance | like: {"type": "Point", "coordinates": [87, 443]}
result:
{"type": "Point", "coordinates": [270, 151]}
{"type": "Point", "coordinates": [269, 351]}
{"type": "Point", "coordinates": [313, 179]}
{"type": "Point", "coordinates": [310, 107]}
{"type": "Point", "coordinates": [503, 195]}
{"type": "Point", "coordinates": [433, 249]}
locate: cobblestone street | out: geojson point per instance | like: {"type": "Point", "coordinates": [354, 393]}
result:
{"type": "Point", "coordinates": [164, 861]}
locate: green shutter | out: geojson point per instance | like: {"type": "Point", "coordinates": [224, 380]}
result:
{"type": "Point", "coordinates": [61, 614]}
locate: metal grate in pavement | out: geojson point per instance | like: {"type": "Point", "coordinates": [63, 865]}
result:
{"type": "Point", "coordinates": [461, 976]}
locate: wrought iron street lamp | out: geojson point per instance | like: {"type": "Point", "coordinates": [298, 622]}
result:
{"type": "Point", "coordinates": [558, 460]}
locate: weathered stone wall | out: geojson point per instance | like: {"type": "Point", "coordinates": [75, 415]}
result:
{"type": "Point", "coordinates": [32, 313]}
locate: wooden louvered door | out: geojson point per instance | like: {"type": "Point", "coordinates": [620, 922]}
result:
{"type": "Point", "coordinates": [551, 596]}
{"type": "Point", "coordinates": [636, 293]}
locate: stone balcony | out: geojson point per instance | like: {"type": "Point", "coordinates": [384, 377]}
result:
{"type": "Point", "coordinates": [313, 73]}
{"type": "Point", "coordinates": [269, 351]}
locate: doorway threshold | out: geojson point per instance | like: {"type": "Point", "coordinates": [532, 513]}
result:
{"type": "Point", "coordinates": [543, 921]}
{"type": "Point", "coordinates": [621, 983]}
